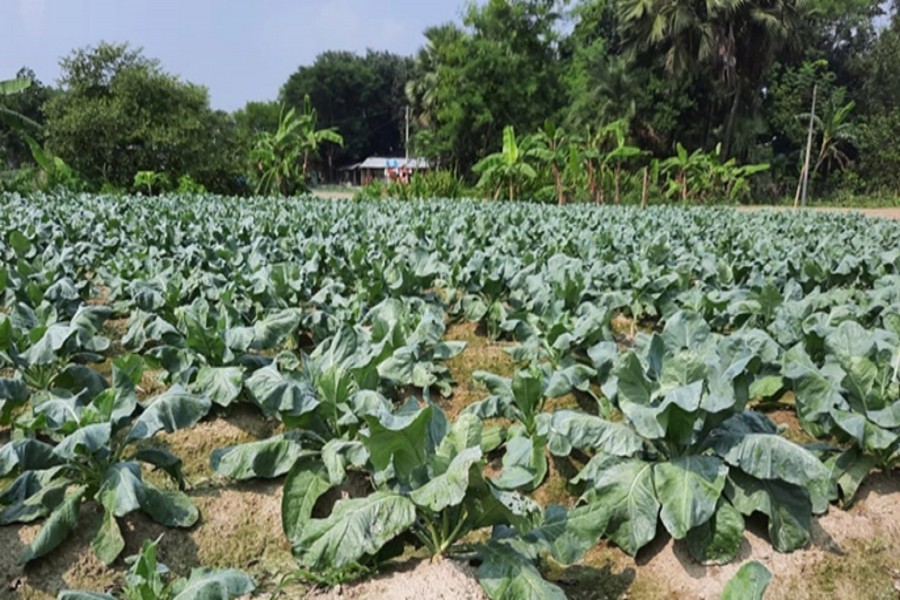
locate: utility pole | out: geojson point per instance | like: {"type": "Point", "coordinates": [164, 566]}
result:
{"type": "Point", "coordinates": [804, 175]}
{"type": "Point", "coordinates": [407, 134]}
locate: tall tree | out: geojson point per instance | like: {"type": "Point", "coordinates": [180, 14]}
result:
{"type": "Point", "coordinates": [734, 41]}
{"type": "Point", "coordinates": [362, 96]}
{"type": "Point", "coordinates": [118, 113]}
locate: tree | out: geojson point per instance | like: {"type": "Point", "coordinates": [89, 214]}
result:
{"type": "Point", "coordinates": [118, 113]}
{"type": "Point", "coordinates": [21, 100]}
{"type": "Point", "coordinates": [734, 41]}
{"type": "Point", "coordinates": [553, 150]}
{"type": "Point", "coordinates": [282, 157]}
{"type": "Point", "coordinates": [502, 66]}
{"type": "Point", "coordinates": [508, 169]}
{"type": "Point", "coordinates": [363, 96]}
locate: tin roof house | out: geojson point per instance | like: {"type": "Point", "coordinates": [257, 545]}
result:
{"type": "Point", "coordinates": [378, 168]}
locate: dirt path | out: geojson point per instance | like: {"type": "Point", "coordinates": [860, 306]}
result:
{"type": "Point", "coordinates": [878, 213]}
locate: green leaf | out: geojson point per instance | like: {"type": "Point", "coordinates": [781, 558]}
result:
{"type": "Point", "coordinates": [169, 508]}
{"type": "Point", "coordinates": [265, 459]}
{"type": "Point", "coordinates": [77, 595]}
{"type": "Point", "coordinates": [571, 429]}
{"type": "Point", "coordinates": [222, 385]}
{"type": "Point", "coordinates": [281, 393]}
{"type": "Point", "coordinates": [718, 540]}
{"type": "Point", "coordinates": [304, 485]}
{"type": "Point", "coordinates": [505, 574]}
{"type": "Point", "coordinates": [121, 489]}
{"type": "Point", "coordinates": [175, 409]}
{"type": "Point", "coordinates": [625, 488]}
{"type": "Point", "coordinates": [208, 584]}
{"type": "Point", "coordinates": [524, 463]}
{"type": "Point", "coordinates": [788, 507]}
{"type": "Point", "coordinates": [27, 455]}
{"type": "Point", "coordinates": [108, 543]}
{"type": "Point", "coordinates": [849, 340]}
{"type": "Point", "coordinates": [57, 527]}
{"type": "Point", "coordinates": [688, 488]}
{"type": "Point", "coordinates": [449, 488]}
{"type": "Point", "coordinates": [398, 440]}
{"type": "Point", "coordinates": [355, 528]}
{"type": "Point", "coordinates": [569, 533]}
{"type": "Point", "coordinates": [89, 440]}
{"type": "Point", "coordinates": [772, 457]}
{"type": "Point", "coordinates": [749, 583]}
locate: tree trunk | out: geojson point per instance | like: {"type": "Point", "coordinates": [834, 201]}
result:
{"type": "Point", "coordinates": [592, 181]}
{"type": "Point", "coordinates": [684, 188]}
{"type": "Point", "coordinates": [729, 128]}
{"type": "Point", "coordinates": [512, 191]}
{"type": "Point", "coordinates": [618, 182]}
{"type": "Point", "coordinates": [602, 196]}
{"type": "Point", "coordinates": [557, 178]}
{"type": "Point", "coordinates": [646, 191]}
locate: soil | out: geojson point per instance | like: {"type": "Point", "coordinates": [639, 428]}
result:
{"type": "Point", "coordinates": [420, 580]}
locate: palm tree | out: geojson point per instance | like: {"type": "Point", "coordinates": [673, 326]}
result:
{"type": "Point", "coordinates": [737, 39]}
{"type": "Point", "coordinates": [553, 150]}
{"type": "Point", "coordinates": [508, 168]}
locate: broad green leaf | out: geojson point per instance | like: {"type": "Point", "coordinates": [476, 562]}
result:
{"type": "Point", "coordinates": [78, 595]}
{"type": "Point", "coordinates": [56, 528]}
{"type": "Point", "coordinates": [788, 507]}
{"type": "Point", "coordinates": [625, 488]}
{"type": "Point", "coordinates": [281, 393]}
{"type": "Point", "coordinates": [718, 540]}
{"type": "Point", "coordinates": [121, 489]}
{"type": "Point", "coordinates": [772, 457]}
{"type": "Point", "coordinates": [264, 459]}
{"type": "Point", "coordinates": [355, 528]}
{"type": "Point", "coordinates": [175, 409]}
{"type": "Point", "coordinates": [449, 488]}
{"type": "Point", "coordinates": [524, 463]}
{"type": "Point", "coordinates": [398, 441]}
{"type": "Point", "coordinates": [505, 574]}
{"type": "Point", "coordinates": [169, 508]}
{"type": "Point", "coordinates": [304, 485]}
{"type": "Point", "coordinates": [848, 340]}
{"type": "Point", "coordinates": [222, 385]}
{"type": "Point", "coordinates": [108, 543]}
{"type": "Point", "coordinates": [570, 533]}
{"type": "Point", "coordinates": [27, 455]}
{"type": "Point", "coordinates": [749, 583]}
{"type": "Point", "coordinates": [688, 489]}
{"type": "Point", "coordinates": [89, 440]}
{"type": "Point", "coordinates": [209, 584]}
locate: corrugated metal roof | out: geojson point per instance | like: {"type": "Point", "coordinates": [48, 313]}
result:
{"type": "Point", "coordinates": [378, 162]}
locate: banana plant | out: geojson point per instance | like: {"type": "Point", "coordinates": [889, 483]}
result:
{"type": "Point", "coordinates": [553, 151]}
{"type": "Point", "coordinates": [618, 154]}
{"type": "Point", "coordinates": [147, 578]}
{"type": "Point", "coordinates": [101, 437]}
{"type": "Point", "coordinates": [510, 168]}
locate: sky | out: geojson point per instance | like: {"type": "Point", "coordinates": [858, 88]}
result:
{"type": "Point", "coordinates": [240, 49]}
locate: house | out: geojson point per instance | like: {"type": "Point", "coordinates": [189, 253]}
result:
{"type": "Point", "coordinates": [377, 168]}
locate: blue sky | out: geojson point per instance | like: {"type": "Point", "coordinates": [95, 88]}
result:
{"type": "Point", "coordinates": [240, 49]}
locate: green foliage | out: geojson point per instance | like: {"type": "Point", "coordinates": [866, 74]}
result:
{"type": "Point", "coordinates": [508, 171]}
{"type": "Point", "coordinates": [147, 579]}
{"type": "Point", "coordinates": [421, 186]}
{"type": "Point", "coordinates": [282, 158]}
{"type": "Point", "coordinates": [150, 121]}
{"type": "Point", "coordinates": [147, 180]}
